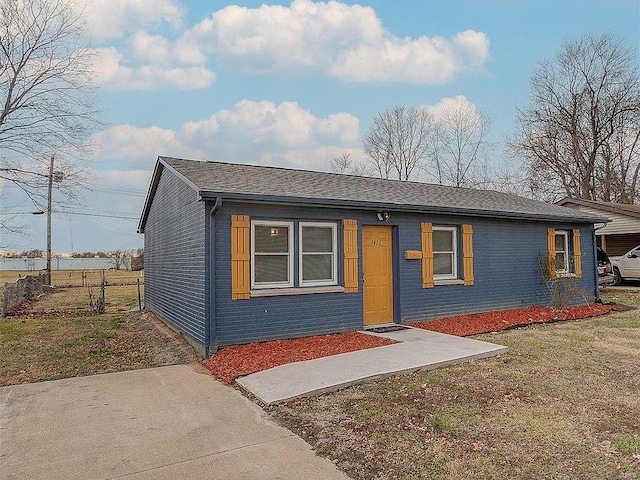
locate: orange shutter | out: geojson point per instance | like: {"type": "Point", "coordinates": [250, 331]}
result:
{"type": "Point", "coordinates": [467, 254]}
{"type": "Point", "coordinates": [240, 257]}
{"type": "Point", "coordinates": [350, 237]}
{"type": "Point", "coordinates": [577, 254]}
{"type": "Point", "coordinates": [427, 254]}
{"type": "Point", "coordinates": [551, 248]}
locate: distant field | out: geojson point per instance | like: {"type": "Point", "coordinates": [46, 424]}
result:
{"type": "Point", "coordinates": [79, 278]}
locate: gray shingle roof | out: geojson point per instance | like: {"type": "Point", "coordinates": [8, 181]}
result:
{"type": "Point", "coordinates": [232, 180]}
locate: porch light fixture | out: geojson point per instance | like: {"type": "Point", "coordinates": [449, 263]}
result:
{"type": "Point", "coordinates": [383, 216]}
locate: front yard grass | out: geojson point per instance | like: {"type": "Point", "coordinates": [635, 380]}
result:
{"type": "Point", "coordinates": [57, 336]}
{"type": "Point", "coordinates": [563, 404]}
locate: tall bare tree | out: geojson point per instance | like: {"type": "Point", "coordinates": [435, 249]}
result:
{"type": "Point", "coordinates": [46, 97]}
{"type": "Point", "coordinates": [460, 145]}
{"type": "Point", "coordinates": [580, 130]}
{"type": "Point", "coordinates": [399, 142]}
{"type": "Point", "coordinates": [45, 73]}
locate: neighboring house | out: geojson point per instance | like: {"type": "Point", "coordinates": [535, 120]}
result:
{"type": "Point", "coordinates": [238, 253]}
{"type": "Point", "coordinates": [618, 236]}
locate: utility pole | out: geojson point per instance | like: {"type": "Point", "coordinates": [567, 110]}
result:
{"type": "Point", "coordinates": [49, 220]}
{"type": "Point", "coordinates": [57, 177]}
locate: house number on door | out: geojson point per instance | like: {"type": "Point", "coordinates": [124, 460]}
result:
{"type": "Point", "coordinates": [376, 243]}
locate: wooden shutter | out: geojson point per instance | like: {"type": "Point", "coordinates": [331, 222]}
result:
{"type": "Point", "coordinates": [467, 254]}
{"type": "Point", "coordinates": [577, 254]}
{"type": "Point", "coordinates": [240, 257]}
{"type": "Point", "coordinates": [350, 252]}
{"type": "Point", "coordinates": [551, 248]}
{"type": "Point", "coordinates": [427, 254]}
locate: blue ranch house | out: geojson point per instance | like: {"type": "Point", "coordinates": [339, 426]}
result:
{"type": "Point", "coordinates": [240, 253]}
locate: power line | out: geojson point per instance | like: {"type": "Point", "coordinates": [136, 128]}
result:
{"type": "Point", "coordinates": [65, 212]}
{"type": "Point", "coordinates": [87, 214]}
{"type": "Point", "coordinates": [120, 191]}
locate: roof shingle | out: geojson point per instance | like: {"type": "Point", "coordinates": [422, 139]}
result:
{"type": "Point", "coordinates": [233, 180]}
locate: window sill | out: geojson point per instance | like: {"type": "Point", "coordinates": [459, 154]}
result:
{"type": "Point", "coordinates": [449, 281]}
{"type": "Point", "coordinates": [274, 292]}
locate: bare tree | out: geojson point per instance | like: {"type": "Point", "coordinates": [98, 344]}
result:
{"type": "Point", "coordinates": [46, 98]}
{"type": "Point", "coordinates": [341, 164]}
{"type": "Point", "coordinates": [580, 130]}
{"type": "Point", "coordinates": [118, 258]}
{"type": "Point", "coordinates": [45, 73]}
{"type": "Point", "coordinates": [399, 141]}
{"type": "Point", "coordinates": [460, 145]}
{"type": "Point", "coordinates": [346, 164]}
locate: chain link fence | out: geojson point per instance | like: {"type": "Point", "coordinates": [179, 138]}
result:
{"type": "Point", "coordinates": [13, 294]}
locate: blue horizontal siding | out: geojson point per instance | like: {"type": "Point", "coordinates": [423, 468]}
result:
{"type": "Point", "coordinates": [174, 257]}
{"type": "Point", "coordinates": [267, 318]}
{"type": "Point", "coordinates": [505, 266]}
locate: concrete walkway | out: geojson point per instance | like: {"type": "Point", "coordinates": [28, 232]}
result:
{"type": "Point", "coordinates": [419, 350]}
{"type": "Point", "coordinates": [158, 423]}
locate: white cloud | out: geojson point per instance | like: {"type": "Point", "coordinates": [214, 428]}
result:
{"type": "Point", "coordinates": [344, 41]}
{"type": "Point", "coordinates": [112, 19]}
{"type": "Point", "coordinates": [143, 61]}
{"type": "Point", "coordinates": [163, 66]}
{"type": "Point", "coordinates": [249, 132]}
{"type": "Point", "coordinates": [451, 106]}
{"type": "Point", "coordinates": [135, 144]}
{"type": "Point", "coordinates": [263, 123]}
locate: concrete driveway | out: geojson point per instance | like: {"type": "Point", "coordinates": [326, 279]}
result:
{"type": "Point", "coordinates": [160, 423]}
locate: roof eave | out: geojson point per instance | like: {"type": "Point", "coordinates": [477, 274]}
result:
{"type": "Point", "coordinates": [161, 164]}
{"type": "Point", "coordinates": [338, 203]}
{"type": "Point", "coordinates": [599, 206]}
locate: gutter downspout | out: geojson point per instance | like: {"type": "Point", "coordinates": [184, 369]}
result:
{"type": "Point", "coordinates": [211, 334]}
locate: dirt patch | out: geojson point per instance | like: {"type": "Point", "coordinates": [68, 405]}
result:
{"type": "Point", "coordinates": [476, 323]}
{"type": "Point", "coordinates": [233, 362]}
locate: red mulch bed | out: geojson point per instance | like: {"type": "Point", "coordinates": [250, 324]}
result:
{"type": "Point", "coordinates": [232, 362]}
{"type": "Point", "coordinates": [472, 324]}
{"type": "Point", "coordinates": [240, 360]}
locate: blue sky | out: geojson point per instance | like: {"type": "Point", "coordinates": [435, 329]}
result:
{"type": "Point", "coordinates": [293, 84]}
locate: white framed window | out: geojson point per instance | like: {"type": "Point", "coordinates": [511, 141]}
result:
{"type": "Point", "coordinates": [318, 262]}
{"type": "Point", "coordinates": [562, 252]}
{"type": "Point", "coordinates": [271, 254]}
{"type": "Point", "coordinates": [445, 257]}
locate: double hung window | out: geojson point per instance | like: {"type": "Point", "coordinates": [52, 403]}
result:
{"type": "Point", "coordinates": [445, 262]}
{"type": "Point", "coordinates": [318, 254]}
{"type": "Point", "coordinates": [272, 254]}
{"type": "Point", "coordinates": [562, 252]}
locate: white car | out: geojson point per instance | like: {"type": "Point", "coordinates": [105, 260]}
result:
{"type": "Point", "coordinates": [627, 266]}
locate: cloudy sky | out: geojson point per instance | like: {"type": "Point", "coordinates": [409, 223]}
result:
{"type": "Point", "coordinates": [292, 84]}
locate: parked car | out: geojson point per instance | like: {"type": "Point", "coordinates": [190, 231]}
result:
{"type": "Point", "coordinates": [627, 266]}
{"type": "Point", "coordinates": [605, 269]}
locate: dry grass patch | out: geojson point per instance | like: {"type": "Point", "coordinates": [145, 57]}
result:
{"type": "Point", "coordinates": [74, 278]}
{"type": "Point", "coordinates": [57, 336]}
{"type": "Point", "coordinates": [563, 404]}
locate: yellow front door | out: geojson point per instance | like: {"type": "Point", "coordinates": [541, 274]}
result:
{"type": "Point", "coordinates": [378, 274]}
